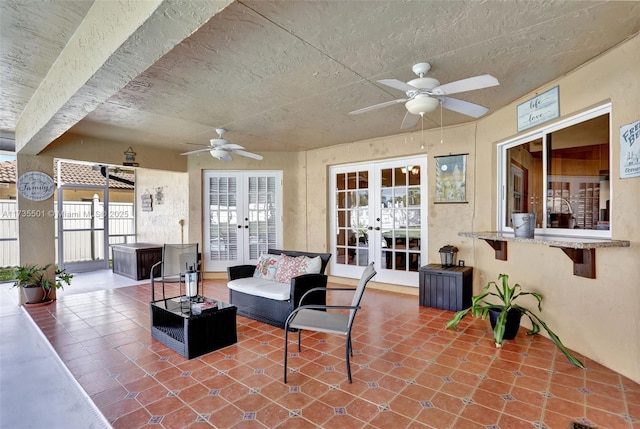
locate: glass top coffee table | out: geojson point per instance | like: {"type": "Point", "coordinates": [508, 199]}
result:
{"type": "Point", "coordinates": [192, 329]}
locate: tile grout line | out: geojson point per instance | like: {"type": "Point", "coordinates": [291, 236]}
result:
{"type": "Point", "coordinates": [87, 399]}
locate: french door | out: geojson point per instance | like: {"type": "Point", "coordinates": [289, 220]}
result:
{"type": "Point", "coordinates": [242, 216]}
{"type": "Point", "coordinates": [379, 214]}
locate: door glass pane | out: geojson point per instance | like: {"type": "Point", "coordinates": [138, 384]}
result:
{"type": "Point", "coordinates": [261, 216]}
{"type": "Point", "coordinates": [401, 227]}
{"type": "Point", "coordinates": [223, 218]}
{"type": "Point", "coordinates": [352, 219]}
{"type": "Point", "coordinates": [414, 175]}
{"type": "Point", "coordinates": [386, 177]}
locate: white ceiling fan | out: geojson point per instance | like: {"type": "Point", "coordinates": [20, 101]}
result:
{"type": "Point", "coordinates": [425, 94]}
{"type": "Point", "coordinates": [221, 148]}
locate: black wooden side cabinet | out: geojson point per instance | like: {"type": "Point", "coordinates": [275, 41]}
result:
{"type": "Point", "coordinates": [448, 288]}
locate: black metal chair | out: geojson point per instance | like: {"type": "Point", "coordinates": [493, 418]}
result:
{"type": "Point", "coordinates": [176, 260]}
{"type": "Point", "coordinates": [316, 318]}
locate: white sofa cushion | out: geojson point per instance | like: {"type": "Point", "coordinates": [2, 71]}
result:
{"type": "Point", "coordinates": [260, 287]}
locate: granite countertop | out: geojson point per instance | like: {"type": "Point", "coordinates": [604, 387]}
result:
{"type": "Point", "coordinates": [549, 240]}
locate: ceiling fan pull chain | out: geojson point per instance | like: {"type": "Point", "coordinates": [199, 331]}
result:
{"type": "Point", "coordinates": [422, 133]}
{"type": "Point", "coordinates": [441, 139]}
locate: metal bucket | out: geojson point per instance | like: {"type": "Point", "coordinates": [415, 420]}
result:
{"type": "Point", "coordinates": [524, 224]}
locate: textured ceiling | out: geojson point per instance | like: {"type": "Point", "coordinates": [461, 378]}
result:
{"type": "Point", "coordinates": [283, 75]}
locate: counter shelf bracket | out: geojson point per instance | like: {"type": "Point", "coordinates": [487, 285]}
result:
{"type": "Point", "coordinates": [500, 248]}
{"type": "Point", "coordinates": [584, 261]}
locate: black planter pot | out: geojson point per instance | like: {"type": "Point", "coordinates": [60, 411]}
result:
{"type": "Point", "coordinates": [513, 322]}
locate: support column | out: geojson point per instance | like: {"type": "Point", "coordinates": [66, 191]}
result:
{"type": "Point", "coordinates": [36, 221]}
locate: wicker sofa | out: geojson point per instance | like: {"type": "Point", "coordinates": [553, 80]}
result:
{"type": "Point", "coordinates": [274, 310]}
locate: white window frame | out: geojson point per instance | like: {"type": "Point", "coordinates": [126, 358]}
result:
{"type": "Point", "coordinates": [504, 170]}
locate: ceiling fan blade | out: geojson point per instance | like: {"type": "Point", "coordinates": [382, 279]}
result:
{"type": "Point", "coordinates": [464, 107]}
{"type": "Point", "coordinates": [469, 84]}
{"type": "Point", "coordinates": [378, 106]}
{"type": "Point", "coordinates": [248, 154]}
{"type": "Point", "coordinates": [398, 84]}
{"type": "Point", "coordinates": [206, 149]}
{"type": "Point", "coordinates": [410, 120]}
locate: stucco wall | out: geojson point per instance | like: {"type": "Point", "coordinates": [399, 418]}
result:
{"type": "Point", "coordinates": [83, 148]}
{"type": "Point", "coordinates": [36, 233]}
{"type": "Point", "coordinates": [292, 165]}
{"type": "Point", "coordinates": [599, 318]}
{"type": "Point", "coordinates": [162, 224]}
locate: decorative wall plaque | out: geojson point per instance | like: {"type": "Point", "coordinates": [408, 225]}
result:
{"type": "Point", "coordinates": [36, 186]}
{"type": "Point", "coordinates": [451, 181]}
{"type": "Point", "coordinates": [147, 202]}
{"type": "Point", "coordinates": [539, 109]}
{"type": "Point", "coordinates": [630, 150]}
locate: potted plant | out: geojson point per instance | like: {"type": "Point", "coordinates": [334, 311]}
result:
{"type": "Point", "coordinates": [505, 319]}
{"type": "Point", "coordinates": [36, 283]}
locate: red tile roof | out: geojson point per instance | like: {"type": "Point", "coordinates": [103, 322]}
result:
{"type": "Point", "coordinates": [73, 173]}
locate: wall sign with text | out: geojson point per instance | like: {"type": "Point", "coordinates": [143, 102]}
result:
{"type": "Point", "coordinates": [36, 186]}
{"type": "Point", "coordinates": [630, 150]}
{"type": "Point", "coordinates": [538, 110]}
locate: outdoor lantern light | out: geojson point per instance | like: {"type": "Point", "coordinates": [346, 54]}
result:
{"type": "Point", "coordinates": [191, 281]}
{"type": "Point", "coordinates": [448, 255]}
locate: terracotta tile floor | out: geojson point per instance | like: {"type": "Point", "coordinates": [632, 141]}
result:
{"type": "Point", "coordinates": [407, 372]}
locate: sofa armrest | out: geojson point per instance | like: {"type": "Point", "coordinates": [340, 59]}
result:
{"type": "Point", "coordinates": [240, 271]}
{"type": "Point", "coordinates": [301, 284]}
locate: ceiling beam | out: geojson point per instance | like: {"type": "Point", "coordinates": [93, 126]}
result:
{"type": "Point", "coordinates": [115, 42]}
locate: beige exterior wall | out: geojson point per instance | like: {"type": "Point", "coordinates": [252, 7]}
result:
{"type": "Point", "coordinates": [292, 165]}
{"type": "Point", "coordinates": [8, 192]}
{"type": "Point", "coordinates": [600, 317]}
{"type": "Point", "coordinates": [83, 148]}
{"type": "Point", "coordinates": [115, 195]}
{"type": "Point", "coordinates": [162, 224]}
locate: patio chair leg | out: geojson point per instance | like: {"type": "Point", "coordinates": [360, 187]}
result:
{"type": "Point", "coordinates": [299, 339]}
{"type": "Point", "coordinates": [286, 343]}
{"type": "Point", "coordinates": [348, 346]}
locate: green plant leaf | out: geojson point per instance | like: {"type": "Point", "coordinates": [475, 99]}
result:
{"type": "Point", "coordinates": [498, 330]}
{"type": "Point", "coordinates": [555, 339]}
{"type": "Point", "coordinates": [507, 295]}
{"type": "Point", "coordinates": [453, 323]}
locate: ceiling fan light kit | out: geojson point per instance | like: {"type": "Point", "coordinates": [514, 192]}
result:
{"type": "Point", "coordinates": [221, 149]}
{"type": "Point", "coordinates": [422, 104]}
{"type": "Point", "coordinates": [425, 94]}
